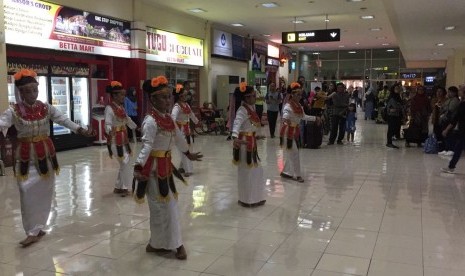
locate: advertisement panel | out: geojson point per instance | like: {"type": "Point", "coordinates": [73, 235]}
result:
{"type": "Point", "coordinates": [41, 24]}
{"type": "Point", "coordinates": [169, 47]}
{"type": "Point", "coordinates": [222, 43]}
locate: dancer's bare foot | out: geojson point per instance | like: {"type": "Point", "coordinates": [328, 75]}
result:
{"type": "Point", "coordinates": [181, 253]}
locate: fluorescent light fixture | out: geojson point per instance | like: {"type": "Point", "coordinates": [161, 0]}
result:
{"type": "Point", "coordinates": [267, 35]}
{"type": "Point", "coordinates": [298, 21]}
{"type": "Point", "coordinates": [440, 44]}
{"type": "Point", "coordinates": [341, 46]}
{"type": "Point", "coordinates": [197, 10]}
{"type": "Point", "coordinates": [352, 52]}
{"type": "Point", "coordinates": [237, 25]}
{"type": "Point", "coordinates": [270, 5]}
{"type": "Point", "coordinates": [375, 29]}
{"type": "Point", "coordinates": [367, 16]}
{"type": "Point", "coordinates": [315, 53]}
{"type": "Point", "coordinates": [449, 28]}
{"type": "Point", "coordinates": [390, 50]}
{"type": "Point", "coordinates": [385, 44]}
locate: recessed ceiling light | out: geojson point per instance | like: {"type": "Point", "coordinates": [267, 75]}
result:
{"type": "Point", "coordinates": [237, 25]}
{"type": "Point", "coordinates": [298, 21]}
{"type": "Point", "coordinates": [341, 46]}
{"type": "Point", "coordinates": [357, 43]}
{"type": "Point", "coordinates": [270, 5]}
{"type": "Point", "coordinates": [352, 52]}
{"type": "Point", "coordinates": [385, 44]}
{"type": "Point", "coordinates": [390, 50]}
{"type": "Point", "coordinates": [197, 10]}
{"type": "Point", "coordinates": [266, 35]}
{"type": "Point", "coordinates": [449, 28]}
{"type": "Point", "coordinates": [440, 44]}
{"type": "Point", "coordinates": [375, 29]}
{"type": "Point", "coordinates": [367, 17]}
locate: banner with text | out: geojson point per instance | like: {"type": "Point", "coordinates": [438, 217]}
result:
{"type": "Point", "coordinates": [45, 25]}
{"type": "Point", "coordinates": [173, 48]}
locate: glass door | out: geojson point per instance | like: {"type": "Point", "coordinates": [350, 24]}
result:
{"type": "Point", "coordinates": [60, 100]}
{"type": "Point", "coordinates": [80, 101]}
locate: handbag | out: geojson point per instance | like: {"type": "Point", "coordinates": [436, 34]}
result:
{"type": "Point", "coordinates": [431, 145]}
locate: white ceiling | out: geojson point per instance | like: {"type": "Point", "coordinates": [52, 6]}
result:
{"type": "Point", "coordinates": [416, 26]}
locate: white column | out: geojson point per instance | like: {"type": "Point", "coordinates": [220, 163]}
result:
{"type": "Point", "coordinates": [3, 69]}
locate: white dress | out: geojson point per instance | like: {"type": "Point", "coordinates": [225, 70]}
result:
{"type": "Point", "coordinates": [115, 123]}
{"type": "Point", "coordinates": [250, 181]}
{"type": "Point", "coordinates": [35, 188]}
{"type": "Point", "coordinates": [165, 227]}
{"type": "Point", "coordinates": [182, 119]}
{"type": "Point", "coordinates": [292, 157]}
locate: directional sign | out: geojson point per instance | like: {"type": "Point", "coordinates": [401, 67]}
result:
{"type": "Point", "coordinates": [311, 36]}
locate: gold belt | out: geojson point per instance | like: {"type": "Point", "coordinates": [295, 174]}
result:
{"type": "Point", "coordinates": [119, 128]}
{"type": "Point", "coordinates": [182, 123]}
{"type": "Point", "coordinates": [160, 153]}
{"type": "Point", "coordinates": [33, 139]}
{"type": "Point", "coordinates": [247, 133]}
{"type": "Point", "coordinates": [293, 125]}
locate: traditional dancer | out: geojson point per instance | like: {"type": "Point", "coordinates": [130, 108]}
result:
{"type": "Point", "coordinates": [154, 170]}
{"type": "Point", "coordinates": [35, 155]}
{"type": "Point", "coordinates": [116, 121]}
{"type": "Point", "coordinates": [293, 113]}
{"type": "Point", "coordinates": [251, 185]}
{"type": "Point", "coordinates": [182, 114]}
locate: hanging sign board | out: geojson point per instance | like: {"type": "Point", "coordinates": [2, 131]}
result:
{"type": "Point", "coordinates": [169, 47]}
{"type": "Point", "coordinates": [36, 23]}
{"type": "Point", "coordinates": [328, 35]}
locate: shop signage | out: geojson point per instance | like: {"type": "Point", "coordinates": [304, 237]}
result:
{"type": "Point", "coordinates": [222, 43]}
{"type": "Point", "coordinates": [41, 24]}
{"type": "Point", "coordinates": [311, 36]}
{"type": "Point", "coordinates": [273, 51]}
{"type": "Point", "coordinates": [272, 62]}
{"type": "Point", "coordinates": [13, 67]}
{"type": "Point", "coordinates": [409, 75]}
{"type": "Point", "coordinates": [260, 47]}
{"type": "Point", "coordinates": [173, 48]}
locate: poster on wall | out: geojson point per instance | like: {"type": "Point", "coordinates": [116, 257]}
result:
{"type": "Point", "coordinates": [169, 47]}
{"type": "Point", "coordinates": [41, 24]}
{"type": "Point", "coordinates": [260, 49]}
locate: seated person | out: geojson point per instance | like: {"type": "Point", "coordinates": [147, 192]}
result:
{"type": "Point", "coordinates": [208, 111]}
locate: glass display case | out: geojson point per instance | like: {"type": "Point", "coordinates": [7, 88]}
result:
{"type": "Point", "coordinates": [60, 100]}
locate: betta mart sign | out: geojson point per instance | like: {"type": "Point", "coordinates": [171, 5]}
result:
{"type": "Point", "coordinates": [41, 24]}
{"type": "Point", "coordinates": [173, 48]}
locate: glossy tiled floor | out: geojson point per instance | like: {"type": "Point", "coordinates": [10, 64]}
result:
{"type": "Point", "coordinates": [363, 210]}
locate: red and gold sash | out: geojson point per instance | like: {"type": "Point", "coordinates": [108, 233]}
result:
{"type": "Point", "coordinates": [163, 121]}
{"type": "Point", "coordinates": [35, 112]}
{"type": "Point", "coordinates": [296, 108]}
{"type": "Point", "coordinates": [253, 116]}
{"type": "Point", "coordinates": [118, 110]}
{"type": "Point", "coordinates": [186, 109]}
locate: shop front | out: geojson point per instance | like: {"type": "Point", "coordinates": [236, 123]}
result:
{"type": "Point", "coordinates": [178, 57]}
{"type": "Point", "coordinates": [70, 49]}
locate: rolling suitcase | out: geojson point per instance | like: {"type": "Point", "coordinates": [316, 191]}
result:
{"type": "Point", "coordinates": [313, 135]}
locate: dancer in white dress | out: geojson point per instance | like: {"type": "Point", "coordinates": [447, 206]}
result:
{"type": "Point", "coordinates": [35, 155]}
{"type": "Point", "coordinates": [293, 113]}
{"type": "Point", "coordinates": [116, 121]}
{"type": "Point", "coordinates": [251, 185]}
{"type": "Point", "coordinates": [182, 114]}
{"type": "Point", "coordinates": [154, 170]}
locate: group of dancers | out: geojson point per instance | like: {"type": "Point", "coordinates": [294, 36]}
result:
{"type": "Point", "coordinates": [153, 171]}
